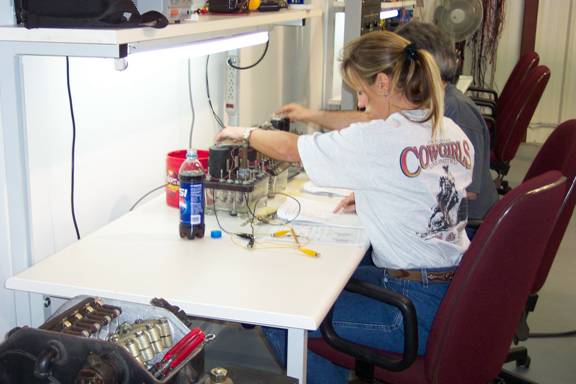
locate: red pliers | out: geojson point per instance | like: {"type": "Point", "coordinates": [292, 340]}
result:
{"type": "Point", "coordinates": [178, 353]}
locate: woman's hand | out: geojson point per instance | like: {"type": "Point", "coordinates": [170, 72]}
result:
{"type": "Point", "coordinates": [346, 205]}
{"type": "Point", "coordinates": [296, 112]}
{"type": "Point", "coordinates": [230, 133]}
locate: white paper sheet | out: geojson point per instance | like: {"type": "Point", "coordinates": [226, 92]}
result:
{"type": "Point", "coordinates": [316, 211]}
{"type": "Point", "coordinates": [323, 234]}
{"type": "Point", "coordinates": [310, 187]}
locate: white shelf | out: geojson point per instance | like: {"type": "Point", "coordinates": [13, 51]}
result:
{"type": "Point", "coordinates": [339, 5]}
{"type": "Point", "coordinates": [398, 4]}
{"type": "Point", "coordinates": [207, 25]}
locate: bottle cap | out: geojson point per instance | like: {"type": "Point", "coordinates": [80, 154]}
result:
{"type": "Point", "coordinates": [216, 234]}
{"type": "Point", "coordinates": [191, 154]}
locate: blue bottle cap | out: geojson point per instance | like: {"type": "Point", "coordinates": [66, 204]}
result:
{"type": "Point", "coordinates": [216, 234]}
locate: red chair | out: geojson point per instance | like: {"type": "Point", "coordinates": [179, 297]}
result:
{"type": "Point", "coordinates": [485, 97]}
{"type": "Point", "coordinates": [473, 328]}
{"type": "Point", "coordinates": [510, 126]}
{"type": "Point", "coordinates": [557, 153]}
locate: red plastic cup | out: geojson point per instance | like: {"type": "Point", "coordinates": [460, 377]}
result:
{"type": "Point", "coordinates": [173, 162]}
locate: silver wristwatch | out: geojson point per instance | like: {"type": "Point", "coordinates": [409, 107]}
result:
{"type": "Point", "coordinates": [246, 134]}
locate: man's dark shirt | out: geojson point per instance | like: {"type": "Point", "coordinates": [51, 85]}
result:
{"type": "Point", "coordinates": [464, 112]}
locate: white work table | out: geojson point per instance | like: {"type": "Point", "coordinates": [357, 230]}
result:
{"type": "Point", "coordinates": [140, 256]}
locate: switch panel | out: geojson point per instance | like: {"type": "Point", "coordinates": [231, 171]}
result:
{"type": "Point", "coordinates": [231, 87]}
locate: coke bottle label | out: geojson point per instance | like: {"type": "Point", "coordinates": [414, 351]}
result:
{"type": "Point", "coordinates": [196, 202]}
{"type": "Point", "coordinates": [184, 203]}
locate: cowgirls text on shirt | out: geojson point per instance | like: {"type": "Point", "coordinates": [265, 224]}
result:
{"type": "Point", "coordinates": [414, 159]}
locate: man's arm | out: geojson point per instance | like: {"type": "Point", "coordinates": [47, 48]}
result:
{"type": "Point", "coordinates": [326, 119]}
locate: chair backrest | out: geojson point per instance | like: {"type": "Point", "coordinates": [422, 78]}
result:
{"type": "Point", "coordinates": [512, 122]}
{"type": "Point", "coordinates": [475, 323]}
{"type": "Point", "coordinates": [517, 77]}
{"type": "Point", "coordinates": [557, 153]}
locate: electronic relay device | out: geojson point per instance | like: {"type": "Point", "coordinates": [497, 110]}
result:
{"type": "Point", "coordinates": [175, 10]}
{"type": "Point", "coordinates": [240, 178]}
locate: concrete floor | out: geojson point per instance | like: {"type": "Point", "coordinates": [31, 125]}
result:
{"type": "Point", "coordinates": [552, 359]}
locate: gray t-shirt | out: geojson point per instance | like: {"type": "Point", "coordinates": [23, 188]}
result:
{"type": "Point", "coordinates": [409, 189]}
{"type": "Point", "coordinates": [462, 110]}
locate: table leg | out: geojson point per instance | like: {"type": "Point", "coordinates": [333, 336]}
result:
{"type": "Point", "coordinates": [297, 352]}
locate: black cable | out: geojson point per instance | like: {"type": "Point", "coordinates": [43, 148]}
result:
{"type": "Point", "coordinates": [216, 117]}
{"type": "Point", "coordinates": [252, 214]}
{"type": "Point", "coordinates": [251, 237]}
{"type": "Point", "coordinates": [73, 147]}
{"type": "Point", "coordinates": [545, 335]}
{"type": "Point", "coordinates": [246, 236]}
{"type": "Point", "coordinates": [287, 221]}
{"type": "Point", "coordinates": [145, 195]}
{"type": "Point", "coordinates": [229, 61]}
{"type": "Point", "coordinates": [216, 214]}
{"type": "Point", "coordinates": [191, 106]}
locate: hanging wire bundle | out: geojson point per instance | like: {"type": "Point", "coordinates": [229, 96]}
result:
{"type": "Point", "coordinates": [484, 43]}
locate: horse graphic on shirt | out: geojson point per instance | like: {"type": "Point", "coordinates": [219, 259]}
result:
{"type": "Point", "coordinates": [445, 212]}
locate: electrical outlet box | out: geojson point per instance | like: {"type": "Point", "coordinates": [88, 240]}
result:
{"type": "Point", "coordinates": [175, 10]}
{"type": "Point", "coordinates": [231, 87]}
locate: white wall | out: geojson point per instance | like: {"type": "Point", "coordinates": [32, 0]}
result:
{"type": "Point", "coordinates": [291, 72]}
{"type": "Point", "coordinates": [126, 123]}
{"type": "Point", "coordinates": [509, 45]}
{"type": "Point", "coordinates": [7, 316]}
{"type": "Point", "coordinates": [556, 45]}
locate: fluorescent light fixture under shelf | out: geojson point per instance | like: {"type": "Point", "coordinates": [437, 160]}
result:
{"type": "Point", "coordinates": [208, 47]}
{"type": "Point", "coordinates": [389, 14]}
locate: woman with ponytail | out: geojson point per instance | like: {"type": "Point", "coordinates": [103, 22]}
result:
{"type": "Point", "coordinates": [409, 168]}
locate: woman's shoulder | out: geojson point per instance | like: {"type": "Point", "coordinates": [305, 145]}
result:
{"type": "Point", "coordinates": [395, 120]}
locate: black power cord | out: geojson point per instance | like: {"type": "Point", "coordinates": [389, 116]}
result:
{"type": "Point", "coordinates": [545, 335]}
{"type": "Point", "coordinates": [73, 209]}
{"type": "Point", "coordinates": [229, 61]}
{"type": "Point", "coordinates": [191, 99]}
{"type": "Point", "coordinates": [216, 117]}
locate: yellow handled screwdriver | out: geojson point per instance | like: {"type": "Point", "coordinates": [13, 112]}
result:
{"type": "Point", "coordinates": [306, 251]}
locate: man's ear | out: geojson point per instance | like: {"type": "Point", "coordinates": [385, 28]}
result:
{"type": "Point", "coordinates": [383, 83]}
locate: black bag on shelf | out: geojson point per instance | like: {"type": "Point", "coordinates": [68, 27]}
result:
{"type": "Point", "coordinates": [86, 14]}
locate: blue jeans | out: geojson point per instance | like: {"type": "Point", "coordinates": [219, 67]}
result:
{"type": "Point", "coordinates": [369, 322]}
{"type": "Point", "coordinates": [471, 231]}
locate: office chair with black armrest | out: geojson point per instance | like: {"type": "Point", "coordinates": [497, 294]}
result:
{"type": "Point", "coordinates": [475, 324]}
{"type": "Point", "coordinates": [511, 124]}
{"type": "Point", "coordinates": [489, 98]}
{"type": "Point", "coordinates": [557, 153]}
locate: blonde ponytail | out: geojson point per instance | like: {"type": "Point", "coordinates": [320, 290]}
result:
{"type": "Point", "coordinates": [413, 72]}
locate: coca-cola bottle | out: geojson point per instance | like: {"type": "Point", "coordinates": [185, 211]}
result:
{"type": "Point", "coordinates": [191, 176]}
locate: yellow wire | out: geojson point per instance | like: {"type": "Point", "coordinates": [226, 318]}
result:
{"type": "Point", "coordinates": [271, 244]}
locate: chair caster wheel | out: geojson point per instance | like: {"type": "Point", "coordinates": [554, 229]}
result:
{"type": "Point", "coordinates": [504, 188]}
{"type": "Point", "coordinates": [524, 363]}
